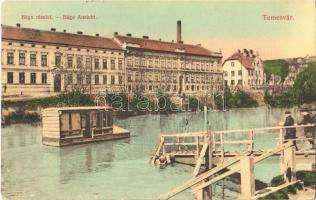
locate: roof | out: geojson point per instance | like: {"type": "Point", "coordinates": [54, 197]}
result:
{"type": "Point", "coordinates": [77, 108]}
{"type": "Point", "coordinates": [58, 38]}
{"type": "Point", "coordinates": [246, 61]}
{"type": "Point", "coordinates": [157, 45]}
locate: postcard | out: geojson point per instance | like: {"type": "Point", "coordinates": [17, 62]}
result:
{"type": "Point", "coordinates": [142, 100]}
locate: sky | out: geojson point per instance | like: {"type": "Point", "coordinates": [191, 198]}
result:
{"type": "Point", "coordinates": [225, 25]}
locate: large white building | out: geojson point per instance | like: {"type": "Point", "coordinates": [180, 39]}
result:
{"type": "Point", "coordinates": [172, 67]}
{"type": "Point", "coordinates": [244, 69]}
{"type": "Point", "coordinates": [36, 62]}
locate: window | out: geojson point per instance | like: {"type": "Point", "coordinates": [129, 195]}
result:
{"type": "Point", "coordinates": [22, 58]}
{"type": "Point", "coordinates": [113, 64]}
{"type": "Point", "coordinates": [232, 82]}
{"type": "Point", "coordinates": [33, 78]}
{"type": "Point", "coordinates": [239, 82]}
{"type": "Point", "coordinates": [104, 79]}
{"type": "Point", "coordinates": [120, 64]}
{"type": "Point", "coordinates": [225, 73]}
{"type": "Point", "coordinates": [129, 61]}
{"type": "Point", "coordinates": [112, 80]}
{"type": "Point", "coordinates": [96, 79]}
{"type": "Point", "coordinates": [33, 59]}
{"type": "Point", "coordinates": [129, 77]}
{"type": "Point", "coordinates": [233, 73]}
{"type": "Point", "coordinates": [120, 79]}
{"type": "Point", "coordinates": [10, 77]}
{"type": "Point", "coordinates": [69, 79]}
{"type": "Point", "coordinates": [96, 63]}
{"type": "Point", "coordinates": [88, 62]}
{"type": "Point", "coordinates": [79, 79]}
{"type": "Point", "coordinates": [10, 58]}
{"type": "Point", "coordinates": [88, 78]}
{"type": "Point", "coordinates": [79, 61]}
{"type": "Point", "coordinates": [105, 63]}
{"type": "Point", "coordinates": [21, 77]}
{"type": "Point", "coordinates": [44, 60]}
{"type": "Point", "coordinates": [44, 78]}
{"type": "Point", "coordinates": [239, 72]}
{"type": "Point", "coordinates": [232, 64]}
{"type": "Point", "coordinates": [69, 61]}
{"type": "Point", "coordinates": [57, 60]}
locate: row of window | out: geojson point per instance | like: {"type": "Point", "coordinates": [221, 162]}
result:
{"type": "Point", "coordinates": [239, 82]}
{"type": "Point", "coordinates": [89, 60]}
{"type": "Point", "coordinates": [70, 63]}
{"type": "Point", "coordinates": [10, 78]}
{"type": "Point", "coordinates": [254, 64]}
{"type": "Point", "coordinates": [81, 79]}
{"type": "Point", "coordinates": [168, 63]}
{"type": "Point", "coordinates": [10, 59]}
{"type": "Point", "coordinates": [250, 73]}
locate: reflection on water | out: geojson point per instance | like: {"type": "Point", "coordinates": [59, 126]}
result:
{"type": "Point", "coordinates": [114, 169]}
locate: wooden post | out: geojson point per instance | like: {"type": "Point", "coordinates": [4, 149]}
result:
{"type": "Point", "coordinates": [289, 163]}
{"type": "Point", "coordinates": [222, 147]}
{"type": "Point", "coordinates": [247, 177]}
{"type": "Point", "coordinates": [251, 145]}
{"type": "Point", "coordinates": [281, 138]}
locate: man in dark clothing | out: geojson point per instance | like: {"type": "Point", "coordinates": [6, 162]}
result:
{"type": "Point", "coordinates": [290, 133]}
{"type": "Point", "coordinates": [308, 131]}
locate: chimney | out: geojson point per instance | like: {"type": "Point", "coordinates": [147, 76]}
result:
{"type": "Point", "coordinates": [97, 34]}
{"type": "Point", "coordinates": [178, 31]}
{"type": "Point", "coordinates": [145, 37]}
{"type": "Point", "coordinates": [115, 33]}
{"type": "Point", "coordinates": [53, 29]}
{"type": "Point", "coordinates": [18, 25]}
{"type": "Point", "coordinates": [64, 31]}
{"type": "Point", "coordinates": [129, 35]}
{"type": "Point", "coordinates": [159, 39]}
{"type": "Point", "coordinates": [79, 32]}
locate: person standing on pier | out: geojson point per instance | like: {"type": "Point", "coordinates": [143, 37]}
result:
{"type": "Point", "coordinates": [290, 133]}
{"type": "Point", "coordinates": [307, 120]}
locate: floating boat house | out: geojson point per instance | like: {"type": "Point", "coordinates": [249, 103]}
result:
{"type": "Point", "coordinates": [74, 125]}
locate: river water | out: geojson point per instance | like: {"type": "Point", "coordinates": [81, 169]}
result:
{"type": "Point", "coordinates": [116, 169]}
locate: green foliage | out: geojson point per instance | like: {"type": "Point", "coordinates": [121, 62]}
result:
{"type": "Point", "coordinates": [277, 67]}
{"type": "Point", "coordinates": [65, 99]}
{"type": "Point", "coordinates": [283, 101]}
{"type": "Point", "coordinates": [278, 180]}
{"type": "Point", "coordinates": [303, 90]}
{"type": "Point", "coordinates": [22, 116]}
{"type": "Point", "coordinates": [194, 103]}
{"type": "Point", "coordinates": [165, 105]}
{"type": "Point", "coordinates": [239, 99]}
{"type": "Point", "coordinates": [308, 177]}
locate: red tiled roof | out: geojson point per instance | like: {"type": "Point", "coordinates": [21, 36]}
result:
{"type": "Point", "coordinates": [157, 45]}
{"type": "Point", "coordinates": [59, 38]}
{"type": "Point", "coordinates": [246, 61]}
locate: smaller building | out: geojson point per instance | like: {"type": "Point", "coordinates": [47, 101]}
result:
{"type": "Point", "coordinates": [74, 125]}
{"type": "Point", "coordinates": [296, 66]}
{"type": "Point", "coordinates": [244, 69]}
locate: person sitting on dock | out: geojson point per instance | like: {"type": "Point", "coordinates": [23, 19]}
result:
{"type": "Point", "coordinates": [290, 133]}
{"type": "Point", "coordinates": [307, 120]}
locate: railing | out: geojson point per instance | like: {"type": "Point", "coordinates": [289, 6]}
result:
{"type": "Point", "coordinates": [190, 143]}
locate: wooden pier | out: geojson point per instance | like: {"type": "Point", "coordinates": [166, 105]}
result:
{"type": "Point", "coordinates": [213, 158]}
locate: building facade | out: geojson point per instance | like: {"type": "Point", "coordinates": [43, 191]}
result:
{"type": "Point", "coordinates": [42, 62]}
{"type": "Point", "coordinates": [39, 62]}
{"type": "Point", "coordinates": [244, 69]}
{"type": "Point", "coordinates": [170, 67]}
